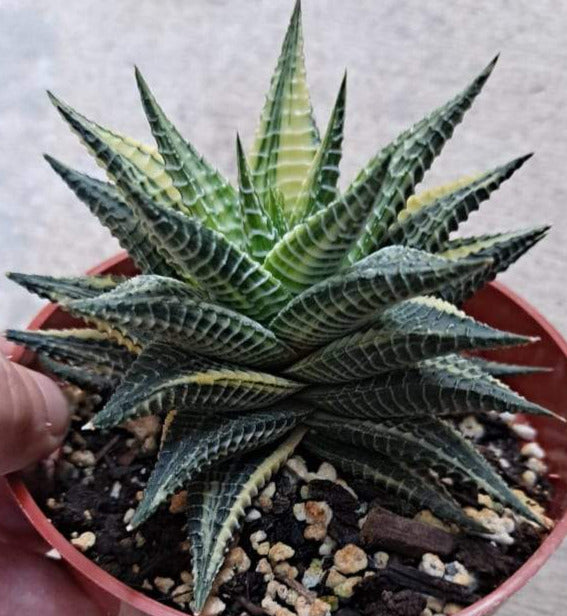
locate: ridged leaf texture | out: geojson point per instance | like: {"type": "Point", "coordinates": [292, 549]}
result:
{"type": "Point", "coordinates": [217, 502]}
{"type": "Point", "coordinates": [90, 378]}
{"type": "Point", "coordinates": [152, 309]}
{"type": "Point", "coordinates": [502, 248]}
{"type": "Point", "coordinates": [445, 386]}
{"type": "Point", "coordinates": [194, 443]}
{"type": "Point", "coordinates": [403, 335]}
{"type": "Point", "coordinates": [287, 138]}
{"type": "Point", "coordinates": [204, 192]}
{"type": "Point", "coordinates": [348, 301]}
{"type": "Point", "coordinates": [412, 153]}
{"type": "Point", "coordinates": [429, 227]}
{"type": "Point", "coordinates": [164, 377]}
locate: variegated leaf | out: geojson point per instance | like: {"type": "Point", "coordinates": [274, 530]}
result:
{"type": "Point", "coordinates": [405, 334]}
{"type": "Point", "coordinates": [320, 186]}
{"type": "Point", "coordinates": [186, 321]}
{"type": "Point", "coordinates": [204, 192]}
{"type": "Point", "coordinates": [413, 152]}
{"type": "Point", "coordinates": [429, 227]}
{"type": "Point", "coordinates": [449, 385]}
{"type": "Point", "coordinates": [394, 476]}
{"type": "Point", "coordinates": [259, 230]}
{"type": "Point", "coordinates": [315, 249]}
{"type": "Point", "coordinates": [202, 254]}
{"type": "Point", "coordinates": [287, 138]}
{"type": "Point", "coordinates": [143, 162]}
{"type": "Point", "coordinates": [503, 248]}
{"type": "Point", "coordinates": [424, 444]}
{"type": "Point", "coordinates": [499, 369]}
{"type": "Point", "coordinates": [64, 289]}
{"type": "Point", "coordinates": [217, 501]}
{"type": "Point", "coordinates": [165, 377]}
{"type": "Point", "coordinates": [348, 301]}
{"type": "Point", "coordinates": [194, 443]}
{"type": "Point", "coordinates": [86, 377]}
{"type": "Point", "coordinates": [77, 346]}
{"type": "Point", "coordinates": [105, 202]}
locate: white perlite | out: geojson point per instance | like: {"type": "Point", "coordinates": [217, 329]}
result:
{"type": "Point", "coordinates": [350, 559]}
{"type": "Point", "coordinates": [432, 565]}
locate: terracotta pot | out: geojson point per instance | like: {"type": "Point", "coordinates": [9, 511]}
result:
{"type": "Point", "coordinates": [495, 305]}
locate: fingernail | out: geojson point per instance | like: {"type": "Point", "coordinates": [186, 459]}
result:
{"type": "Point", "coordinates": [56, 406]}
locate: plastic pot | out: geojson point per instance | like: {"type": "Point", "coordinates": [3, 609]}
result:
{"type": "Point", "coordinates": [495, 305]}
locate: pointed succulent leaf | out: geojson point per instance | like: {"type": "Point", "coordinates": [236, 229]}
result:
{"type": "Point", "coordinates": [346, 302]}
{"type": "Point", "coordinates": [428, 196]}
{"type": "Point", "coordinates": [85, 377]}
{"type": "Point", "coordinates": [64, 289]}
{"type": "Point", "coordinates": [395, 477]}
{"type": "Point", "coordinates": [145, 164]}
{"type": "Point", "coordinates": [77, 346]}
{"type": "Point", "coordinates": [413, 153]}
{"type": "Point", "coordinates": [202, 254]}
{"type": "Point", "coordinates": [320, 186]}
{"type": "Point", "coordinates": [195, 443]}
{"type": "Point", "coordinates": [204, 192]}
{"type": "Point", "coordinates": [502, 248]}
{"type": "Point", "coordinates": [105, 202]}
{"type": "Point", "coordinates": [287, 138]}
{"type": "Point", "coordinates": [448, 385]}
{"type": "Point", "coordinates": [405, 334]}
{"type": "Point", "coordinates": [164, 377]}
{"type": "Point", "coordinates": [499, 369]}
{"type": "Point", "coordinates": [186, 321]}
{"type": "Point", "coordinates": [429, 227]}
{"type": "Point", "coordinates": [315, 249]}
{"type": "Point", "coordinates": [259, 230]}
{"type": "Point", "coordinates": [217, 501]}
{"type": "Point", "coordinates": [425, 444]}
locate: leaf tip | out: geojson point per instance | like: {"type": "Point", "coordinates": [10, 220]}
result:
{"type": "Point", "coordinates": [89, 426]}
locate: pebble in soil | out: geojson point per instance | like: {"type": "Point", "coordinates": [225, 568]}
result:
{"type": "Point", "coordinates": [311, 544]}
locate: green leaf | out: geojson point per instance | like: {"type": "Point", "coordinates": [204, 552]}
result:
{"type": "Point", "coordinates": [202, 254]}
{"type": "Point", "coordinates": [315, 249]}
{"type": "Point", "coordinates": [348, 301]}
{"type": "Point", "coordinates": [89, 378]}
{"type": "Point", "coordinates": [499, 369]}
{"type": "Point", "coordinates": [105, 202]}
{"type": "Point", "coordinates": [412, 154]}
{"type": "Point", "coordinates": [78, 346]}
{"type": "Point", "coordinates": [204, 192]}
{"type": "Point", "coordinates": [143, 162]}
{"type": "Point", "coordinates": [448, 385]}
{"type": "Point", "coordinates": [217, 501]}
{"type": "Point", "coordinates": [424, 444]}
{"type": "Point", "coordinates": [195, 443]}
{"type": "Point", "coordinates": [185, 320]}
{"type": "Point", "coordinates": [429, 227]}
{"type": "Point", "coordinates": [164, 377]}
{"type": "Point", "coordinates": [287, 138]}
{"type": "Point", "coordinates": [502, 248]}
{"type": "Point", "coordinates": [260, 233]}
{"type": "Point", "coordinates": [405, 334]}
{"type": "Point", "coordinates": [395, 477]}
{"type": "Point", "coordinates": [320, 186]}
{"type": "Point", "coordinates": [64, 289]}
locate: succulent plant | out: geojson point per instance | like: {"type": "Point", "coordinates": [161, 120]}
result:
{"type": "Point", "coordinates": [284, 309]}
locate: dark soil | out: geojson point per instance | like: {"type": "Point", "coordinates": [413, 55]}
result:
{"type": "Point", "coordinates": [80, 497]}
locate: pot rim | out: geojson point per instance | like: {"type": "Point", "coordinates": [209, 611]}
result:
{"type": "Point", "coordinates": [134, 598]}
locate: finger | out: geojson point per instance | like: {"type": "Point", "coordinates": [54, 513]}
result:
{"type": "Point", "coordinates": [31, 585]}
{"type": "Point", "coordinates": [34, 416]}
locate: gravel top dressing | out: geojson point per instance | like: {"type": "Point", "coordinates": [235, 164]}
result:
{"type": "Point", "coordinates": [312, 540]}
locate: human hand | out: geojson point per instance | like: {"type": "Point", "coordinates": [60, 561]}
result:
{"type": "Point", "coordinates": [34, 418]}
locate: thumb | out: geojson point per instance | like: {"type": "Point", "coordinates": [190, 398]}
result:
{"type": "Point", "coordinates": [34, 416]}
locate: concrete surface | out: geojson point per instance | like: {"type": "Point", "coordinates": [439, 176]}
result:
{"type": "Point", "coordinates": [209, 63]}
